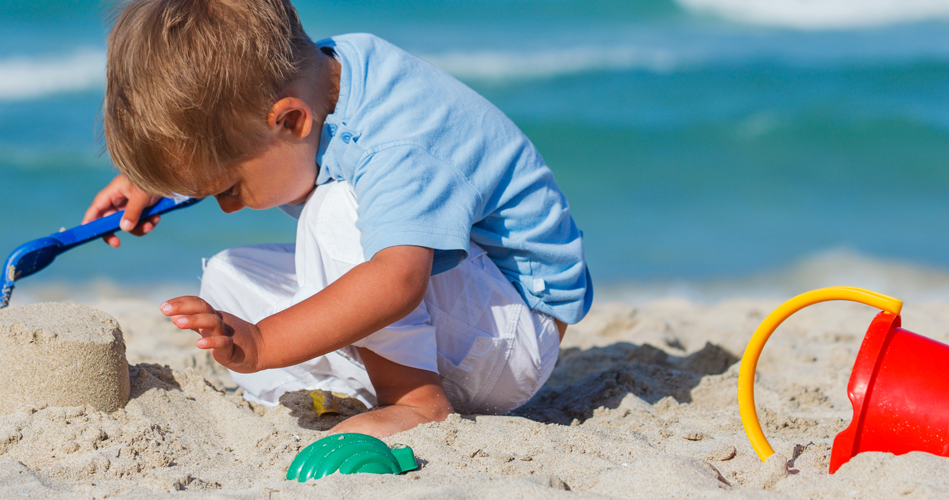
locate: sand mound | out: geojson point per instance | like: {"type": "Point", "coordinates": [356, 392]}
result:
{"type": "Point", "coordinates": [61, 355]}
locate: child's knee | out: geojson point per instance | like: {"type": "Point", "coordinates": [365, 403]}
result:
{"type": "Point", "coordinates": [521, 369]}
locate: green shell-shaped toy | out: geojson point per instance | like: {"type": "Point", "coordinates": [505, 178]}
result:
{"type": "Point", "coordinates": [350, 453]}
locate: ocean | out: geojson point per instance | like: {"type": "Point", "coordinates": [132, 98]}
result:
{"type": "Point", "coordinates": [709, 148]}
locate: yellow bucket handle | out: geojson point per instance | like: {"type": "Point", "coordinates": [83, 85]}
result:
{"type": "Point", "coordinates": [749, 362]}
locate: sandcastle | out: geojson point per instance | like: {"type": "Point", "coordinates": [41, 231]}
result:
{"type": "Point", "coordinates": [57, 354]}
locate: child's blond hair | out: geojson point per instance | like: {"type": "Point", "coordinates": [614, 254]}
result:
{"type": "Point", "coordinates": [190, 84]}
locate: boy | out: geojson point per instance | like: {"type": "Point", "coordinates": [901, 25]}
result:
{"type": "Point", "coordinates": [467, 265]}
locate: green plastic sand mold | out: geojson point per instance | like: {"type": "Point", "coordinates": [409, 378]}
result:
{"type": "Point", "coordinates": [350, 453]}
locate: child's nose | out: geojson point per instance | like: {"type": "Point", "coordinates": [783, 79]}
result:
{"type": "Point", "coordinates": [229, 204]}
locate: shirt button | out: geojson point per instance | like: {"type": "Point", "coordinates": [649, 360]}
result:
{"type": "Point", "coordinates": [346, 136]}
{"type": "Point", "coordinates": [331, 129]}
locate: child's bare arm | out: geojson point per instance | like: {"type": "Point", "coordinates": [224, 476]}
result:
{"type": "Point", "coordinates": [368, 298]}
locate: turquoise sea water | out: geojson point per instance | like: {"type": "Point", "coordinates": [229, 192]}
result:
{"type": "Point", "coordinates": [695, 142]}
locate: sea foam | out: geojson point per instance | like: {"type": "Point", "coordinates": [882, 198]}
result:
{"type": "Point", "coordinates": [499, 66]}
{"type": "Point", "coordinates": [28, 78]}
{"type": "Point", "coordinates": [822, 14]}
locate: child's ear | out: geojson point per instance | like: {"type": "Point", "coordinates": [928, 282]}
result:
{"type": "Point", "coordinates": [292, 115]}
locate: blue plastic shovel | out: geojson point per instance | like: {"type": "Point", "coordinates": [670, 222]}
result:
{"type": "Point", "coordinates": [35, 255]}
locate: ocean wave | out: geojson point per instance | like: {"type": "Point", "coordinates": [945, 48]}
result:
{"type": "Point", "coordinates": [28, 78]}
{"type": "Point", "coordinates": [822, 14]}
{"type": "Point", "coordinates": [498, 66]}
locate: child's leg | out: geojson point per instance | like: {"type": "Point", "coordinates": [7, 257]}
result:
{"type": "Point", "coordinates": [494, 352]}
{"type": "Point", "coordinates": [407, 397]}
{"type": "Point", "coordinates": [254, 282]}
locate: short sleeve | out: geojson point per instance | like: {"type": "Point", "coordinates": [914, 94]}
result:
{"type": "Point", "coordinates": [407, 196]}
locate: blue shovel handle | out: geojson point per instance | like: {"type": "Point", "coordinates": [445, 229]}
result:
{"type": "Point", "coordinates": [110, 223]}
{"type": "Point", "coordinates": [35, 255]}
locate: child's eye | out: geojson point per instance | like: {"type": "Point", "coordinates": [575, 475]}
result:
{"type": "Point", "coordinates": [232, 191]}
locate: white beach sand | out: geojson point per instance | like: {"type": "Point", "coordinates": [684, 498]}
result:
{"type": "Point", "coordinates": [641, 405]}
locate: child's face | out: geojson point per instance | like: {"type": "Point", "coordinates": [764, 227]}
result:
{"type": "Point", "coordinates": [284, 173]}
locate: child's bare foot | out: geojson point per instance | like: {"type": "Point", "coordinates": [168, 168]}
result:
{"type": "Point", "coordinates": [407, 397]}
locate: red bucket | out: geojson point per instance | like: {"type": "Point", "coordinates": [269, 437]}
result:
{"type": "Point", "coordinates": [899, 389]}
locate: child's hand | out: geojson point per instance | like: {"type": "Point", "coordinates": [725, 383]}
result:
{"type": "Point", "coordinates": [233, 342]}
{"type": "Point", "coordinates": [121, 194]}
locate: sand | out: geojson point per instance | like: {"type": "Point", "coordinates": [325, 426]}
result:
{"type": "Point", "coordinates": [641, 405]}
{"type": "Point", "coordinates": [61, 355]}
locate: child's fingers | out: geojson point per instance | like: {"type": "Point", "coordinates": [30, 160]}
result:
{"type": "Point", "coordinates": [223, 344]}
{"type": "Point", "coordinates": [103, 204]}
{"type": "Point", "coordinates": [222, 348]}
{"type": "Point", "coordinates": [188, 304]}
{"type": "Point", "coordinates": [137, 202]}
{"type": "Point", "coordinates": [146, 227]}
{"type": "Point", "coordinates": [112, 240]}
{"type": "Point", "coordinates": [218, 335]}
{"type": "Point", "coordinates": [207, 324]}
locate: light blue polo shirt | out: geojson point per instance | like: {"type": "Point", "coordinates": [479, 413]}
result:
{"type": "Point", "coordinates": [434, 164]}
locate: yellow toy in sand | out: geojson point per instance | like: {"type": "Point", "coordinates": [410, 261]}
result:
{"type": "Point", "coordinates": [327, 402]}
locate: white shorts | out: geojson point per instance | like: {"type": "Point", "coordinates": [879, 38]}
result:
{"type": "Point", "coordinates": [492, 352]}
